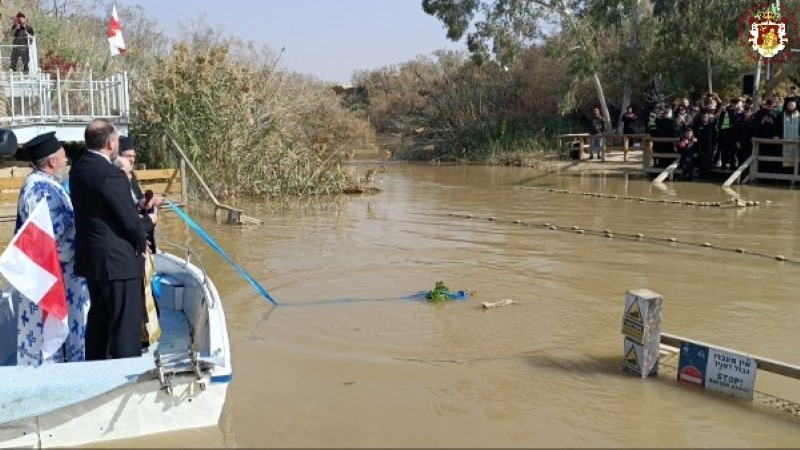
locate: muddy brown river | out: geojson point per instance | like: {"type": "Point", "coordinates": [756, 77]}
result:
{"type": "Point", "coordinates": [347, 362]}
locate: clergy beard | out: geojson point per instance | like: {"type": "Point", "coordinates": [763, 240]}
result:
{"type": "Point", "coordinates": [61, 174]}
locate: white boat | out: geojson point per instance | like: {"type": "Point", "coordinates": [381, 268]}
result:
{"type": "Point", "coordinates": [179, 383]}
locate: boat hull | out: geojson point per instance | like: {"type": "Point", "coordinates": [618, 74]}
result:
{"type": "Point", "coordinates": [74, 404]}
{"type": "Point", "coordinates": [131, 411]}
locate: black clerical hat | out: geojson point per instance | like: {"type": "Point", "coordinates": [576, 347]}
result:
{"type": "Point", "coordinates": [126, 143]}
{"type": "Point", "coordinates": [42, 146]}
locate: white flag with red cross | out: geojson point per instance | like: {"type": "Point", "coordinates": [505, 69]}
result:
{"type": "Point", "coordinates": [115, 42]}
{"type": "Point", "coordinates": [30, 263]}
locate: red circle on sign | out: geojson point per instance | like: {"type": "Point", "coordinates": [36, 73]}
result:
{"type": "Point", "coordinates": [691, 375]}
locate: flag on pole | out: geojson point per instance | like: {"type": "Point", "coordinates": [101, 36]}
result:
{"type": "Point", "coordinates": [115, 41]}
{"type": "Point", "coordinates": [30, 264]}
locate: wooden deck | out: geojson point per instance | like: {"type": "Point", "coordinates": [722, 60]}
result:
{"type": "Point", "coordinates": [750, 168]}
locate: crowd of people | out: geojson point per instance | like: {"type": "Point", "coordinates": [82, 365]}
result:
{"type": "Point", "coordinates": [715, 134]}
{"type": "Point", "coordinates": [103, 227]}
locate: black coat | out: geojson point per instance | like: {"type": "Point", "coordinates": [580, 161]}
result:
{"type": "Point", "coordinates": [110, 235]}
{"type": "Point", "coordinates": [137, 190]}
{"type": "Point", "coordinates": [21, 34]}
{"type": "Point", "coordinates": [744, 131]}
{"type": "Point", "coordinates": [629, 123]}
{"type": "Point", "coordinates": [764, 125]}
{"type": "Point", "coordinates": [706, 137]}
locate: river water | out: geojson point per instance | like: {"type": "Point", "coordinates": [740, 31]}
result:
{"type": "Point", "coordinates": [347, 362]}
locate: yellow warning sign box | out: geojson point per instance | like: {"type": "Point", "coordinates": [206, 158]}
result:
{"type": "Point", "coordinates": [641, 325]}
{"type": "Point", "coordinates": [637, 360]}
{"type": "Point", "coordinates": [639, 317]}
{"type": "Point", "coordinates": [633, 357]}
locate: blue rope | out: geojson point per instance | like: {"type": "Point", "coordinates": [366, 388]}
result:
{"type": "Point", "coordinates": [455, 296]}
{"type": "Point", "coordinates": [200, 232]}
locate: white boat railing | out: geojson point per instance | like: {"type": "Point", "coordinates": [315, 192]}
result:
{"type": "Point", "coordinates": [51, 98]}
{"type": "Point", "coordinates": [33, 54]}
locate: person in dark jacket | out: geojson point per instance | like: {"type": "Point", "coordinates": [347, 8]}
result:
{"type": "Point", "coordinates": [706, 134]}
{"type": "Point", "coordinates": [110, 247]}
{"type": "Point", "coordinates": [597, 127]}
{"type": "Point", "coordinates": [20, 32]}
{"type": "Point", "coordinates": [665, 128]}
{"type": "Point", "coordinates": [629, 121]}
{"type": "Point", "coordinates": [743, 129]}
{"type": "Point", "coordinates": [726, 148]}
{"type": "Point", "coordinates": [127, 150]}
{"type": "Point", "coordinates": [765, 126]}
{"type": "Point", "coordinates": [687, 147]}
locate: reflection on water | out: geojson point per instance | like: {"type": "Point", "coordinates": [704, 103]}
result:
{"type": "Point", "coordinates": [347, 362]}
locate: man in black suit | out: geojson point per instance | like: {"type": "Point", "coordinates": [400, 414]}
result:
{"type": "Point", "coordinates": [127, 150]}
{"type": "Point", "coordinates": [110, 241]}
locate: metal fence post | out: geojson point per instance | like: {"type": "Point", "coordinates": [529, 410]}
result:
{"type": "Point", "coordinates": [91, 95]}
{"type": "Point", "coordinates": [58, 94]}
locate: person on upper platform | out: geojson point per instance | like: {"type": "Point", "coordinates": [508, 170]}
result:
{"type": "Point", "coordinates": [20, 32]}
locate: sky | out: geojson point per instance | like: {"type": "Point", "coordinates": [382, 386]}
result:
{"type": "Point", "coordinates": [329, 39]}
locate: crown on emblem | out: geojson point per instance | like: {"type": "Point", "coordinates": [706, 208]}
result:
{"type": "Point", "coordinates": [767, 16]}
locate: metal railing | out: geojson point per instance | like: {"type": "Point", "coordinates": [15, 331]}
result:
{"type": "Point", "coordinates": [33, 54]}
{"type": "Point", "coordinates": [49, 98]}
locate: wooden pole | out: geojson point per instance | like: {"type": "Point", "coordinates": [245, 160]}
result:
{"type": "Point", "coordinates": [194, 170]}
{"type": "Point", "coordinates": [234, 214]}
{"type": "Point", "coordinates": [738, 173]}
{"type": "Point", "coordinates": [184, 187]}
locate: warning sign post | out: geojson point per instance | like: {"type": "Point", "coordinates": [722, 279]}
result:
{"type": "Point", "coordinates": [641, 325]}
{"type": "Point", "coordinates": [717, 369]}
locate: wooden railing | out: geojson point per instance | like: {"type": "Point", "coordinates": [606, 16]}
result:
{"type": "Point", "coordinates": [649, 155]}
{"type": "Point", "coordinates": [756, 172]}
{"type": "Point", "coordinates": [626, 143]}
{"type": "Point", "coordinates": [585, 142]}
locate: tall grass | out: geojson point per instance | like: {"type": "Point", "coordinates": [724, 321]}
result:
{"type": "Point", "coordinates": [249, 131]}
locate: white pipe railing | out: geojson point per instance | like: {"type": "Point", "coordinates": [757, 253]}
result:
{"type": "Point", "coordinates": [52, 98]}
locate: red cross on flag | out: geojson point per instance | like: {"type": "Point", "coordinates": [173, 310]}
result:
{"type": "Point", "coordinates": [30, 264]}
{"type": "Point", "coordinates": [115, 41]}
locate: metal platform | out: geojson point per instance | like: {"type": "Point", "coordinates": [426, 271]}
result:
{"type": "Point", "coordinates": [38, 102]}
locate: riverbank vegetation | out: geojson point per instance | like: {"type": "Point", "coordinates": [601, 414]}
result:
{"type": "Point", "coordinates": [542, 66]}
{"type": "Point", "coordinates": [529, 70]}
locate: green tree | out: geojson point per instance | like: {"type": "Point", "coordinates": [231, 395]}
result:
{"type": "Point", "coordinates": [511, 26]}
{"type": "Point", "coordinates": [702, 30]}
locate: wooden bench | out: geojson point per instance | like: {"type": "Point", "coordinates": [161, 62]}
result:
{"type": "Point", "coordinates": [583, 138]}
{"type": "Point", "coordinates": [163, 182]}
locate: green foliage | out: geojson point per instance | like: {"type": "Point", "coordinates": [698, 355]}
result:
{"type": "Point", "coordinates": [226, 116]}
{"type": "Point", "coordinates": [439, 294]}
{"type": "Point", "coordinates": [500, 28]}
{"type": "Point", "coordinates": [445, 107]}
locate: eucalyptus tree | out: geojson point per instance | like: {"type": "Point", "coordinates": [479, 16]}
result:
{"type": "Point", "coordinates": [707, 29]}
{"type": "Point", "coordinates": [613, 14]}
{"type": "Point", "coordinates": [503, 29]}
